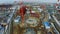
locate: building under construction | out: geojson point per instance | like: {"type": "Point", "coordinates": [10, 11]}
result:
{"type": "Point", "coordinates": [30, 17]}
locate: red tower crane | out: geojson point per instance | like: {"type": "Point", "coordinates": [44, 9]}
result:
{"type": "Point", "coordinates": [22, 12]}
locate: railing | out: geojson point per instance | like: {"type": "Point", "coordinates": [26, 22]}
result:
{"type": "Point", "coordinates": [56, 20]}
{"type": "Point", "coordinates": [9, 19]}
{"type": "Point", "coordinates": [55, 28]}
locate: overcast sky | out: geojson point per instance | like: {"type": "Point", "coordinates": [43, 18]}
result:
{"type": "Point", "coordinates": [12, 1]}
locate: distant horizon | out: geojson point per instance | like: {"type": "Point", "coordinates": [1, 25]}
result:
{"type": "Point", "coordinates": [27, 1]}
